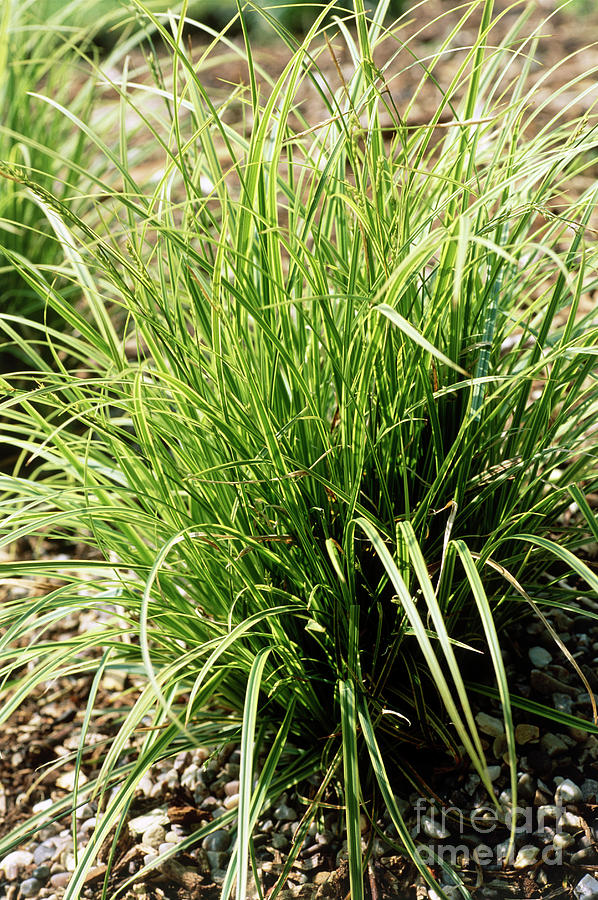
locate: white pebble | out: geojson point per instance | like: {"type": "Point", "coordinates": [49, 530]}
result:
{"type": "Point", "coordinates": [14, 862]}
{"type": "Point", "coordinates": [562, 841]}
{"type": "Point", "coordinates": [433, 829]}
{"type": "Point", "coordinates": [526, 857]}
{"type": "Point", "coordinates": [164, 848]}
{"type": "Point", "coordinates": [587, 888]}
{"type": "Point", "coordinates": [231, 802]}
{"type": "Point", "coordinates": [145, 785]}
{"type": "Point", "coordinates": [154, 835]}
{"type": "Point", "coordinates": [567, 792]}
{"type": "Point", "coordinates": [140, 824]}
{"type": "Point", "coordinates": [66, 781]}
{"type": "Point", "coordinates": [572, 823]}
{"type": "Point", "coordinates": [41, 805]}
{"type": "Point", "coordinates": [190, 777]}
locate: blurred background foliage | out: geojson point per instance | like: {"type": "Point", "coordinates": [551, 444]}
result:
{"type": "Point", "coordinates": [118, 14]}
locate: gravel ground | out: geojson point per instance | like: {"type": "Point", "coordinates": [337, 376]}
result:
{"type": "Point", "coordinates": [556, 849]}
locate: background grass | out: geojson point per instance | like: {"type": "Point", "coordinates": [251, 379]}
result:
{"type": "Point", "coordinates": [297, 15]}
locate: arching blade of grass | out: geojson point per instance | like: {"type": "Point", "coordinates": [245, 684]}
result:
{"type": "Point", "coordinates": [472, 744]}
{"type": "Point", "coordinates": [351, 786]}
{"type": "Point", "coordinates": [564, 554]}
{"type": "Point", "coordinates": [91, 702]}
{"type": "Point", "coordinates": [494, 648]}
{"type": "Point", "coordinates": [259, 796]}
{"type": "Point", "coordinates": [246, 773]}
{"type": "Point", "coordinates": [533, 708]}
{"type": "Point", "coordinates": [590, 517]}
{"type": "Point", "coordinates": [416, 337]}
{"type": "Point", "coordinates": [441, 634]}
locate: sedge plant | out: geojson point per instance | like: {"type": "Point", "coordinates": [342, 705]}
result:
{"type": "Point", "coordinates": [325, 449]}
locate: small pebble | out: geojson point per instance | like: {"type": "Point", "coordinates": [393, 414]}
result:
{"type": "Point", "coordinates": [493, 772]}
{"type": "Point", "coordinates": [562, 702]}
{"type": "Point", "coordinates": [548, 813]}
{"type": "Point", "coordinates": [172, 837]}
{"type": "Point", "coordinates": [66, 782]}
{"type": "Point", "coordinates": [284, 813]}
{"type": "Point", "coordinates": [585, 857]}
{"type": "Point", "coordinates": [587, 888]}
{"type": "Point", "coordinates": [88, 825]}
{"type": "Point", "coordinates": [527, 856]}
{"type": "Point", "coordinates": [433, 828]}
{"type": "Point", "coordinates": [43, 852]}
{"type": "Point", "coordinates": [216, 860]}
{"type": "Point", "coordinates": [221, 811]}
{"type": "Point", "coordinates": [154, 836]}
{"type": "Point", "coordinates": [14, 862]}
{"type": "Point", "coordinates": [570, 822]}
{"type": "Point", "coordinates": [48, 831]}
{"type": "Point", "coordinates": [231, 802]}
{"type": "Point", "coordinates": [499, 746]}
{"type": "Point", "coordinates": [567, 792]}
{"type": "Point", "coordinates": [563, 841]}
{"type": "Point", "coordinates": [539, 657]}
{"type": "Point", "coordinates": [450, 892]}
{"type": "Point", "coordinates": [42, 805]}
{"type": "Point", "coordinates": [526, 733]}
{"type": "Point", "coordinates": [280, 842]}
{"type": "Point", "coordinates": [172, 779]}
{"type": "Point", "coordinates": [218, 841]}
{"type": "Point", "coordinates": [589, 790]}
{"type": "Point", "coordinates": [490, 725]}
{"type": "Point", "coordinates": [85, 812]}
{"type": "Point", "coordinates": [526, 787]}
{"type": "Point", "coordinates": [68, 860]}
{"type": "Point", "coordinates": [140, 824]}
{"type": "Point", "coordinates": [145, 785]}
{"type": "Point", "coordinates": [547, 684]}
{"type": "Point", "coordinates": [190, 777]}
{"type": "Point", "coordinates": [60, 879]}
{"type": "Point", "coordinates": [30, 887]}
{"type": "Point", "coordinates": [42, 873]}
{"type": "Point", "coordinates": [553, 745]}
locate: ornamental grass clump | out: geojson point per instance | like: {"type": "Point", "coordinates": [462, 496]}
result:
{"type": "Point", "coordinates": [325, 447]}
